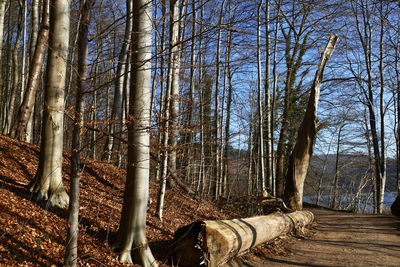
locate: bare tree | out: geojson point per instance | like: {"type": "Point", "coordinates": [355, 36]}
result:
{"type": "Point", "coordinates": [121, 76]}
{"type": "Point", "coordinates": [48, 179]}
{"type": "Point", "coordinates": [71, 250]}
{"type": "Point", "coordinates": [132, 232]}
{"type": "Point", "coordinates": [19, 129]}
{"type": "Point", "coordinates": [300, 158]}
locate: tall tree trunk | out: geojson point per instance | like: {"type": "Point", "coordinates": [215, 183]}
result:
{"type": "Point", "coordinates": [175, 57]}
{"type": "Point", "coordinates": [20, 127]}
{"type": "Point", "coordinates": [250, 151]}
{"type": "Point", "coordinates": [189, 137]}
{"type": "Point", "coordinates": [335, 192]}
{"type": "Point", "coordinates": [300, 158]}
{"type": "Point", "coordinates": [34, 28]}
{"type": "Point", "coordinates": [268, 109]}
{"type": "Point", "coordinates": [71, 250]}
{"type": "Point", "coordinates": [165, 104]}
{"type": "Point", "coordinates": [228, 115]}
{"type": "Point", "coordinates": [32, 46]}
{"type": "Point", "coordinates": [217, 162]}
{"type": "Point", "coordinates": [132, 232]}
{"type": "Point", "coordinates": [382, 109]}
{"type": "Point", "coordinates": [23, 56]}
{"type": "Point", "coordinates": [260, 102]}
{"type": "Point", "coordinates": [48, 179]}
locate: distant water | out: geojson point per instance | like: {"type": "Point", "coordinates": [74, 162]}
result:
{"type": "Point", "coordinates": [364, 204]}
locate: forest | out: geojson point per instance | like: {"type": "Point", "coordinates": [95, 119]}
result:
{"type": "Point", "coordinates": [227, 101]}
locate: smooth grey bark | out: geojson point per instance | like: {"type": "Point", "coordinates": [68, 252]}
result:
{"type": "Point", "coordinates": [71, 249]}
{"type": "Point", "coordinates": [48, 179]}
{"type": "Point", "coordinates": [32, 46]}
{"type": "Point", "coordinates": [260, 125]}
{"type": "Point", "coordinates": [175, 61]}
{"type": "Point", "coordinates": [269, 153]}
{"type": "Point", "coordinates": [165, 103]}
{"type": "Point", "coordinates": [229, 73]}
{"type": "Point", "coordinates": [171, 110]}
{"type": "Point", "coordinates": [23, 60]}
{"type": "Point", "coordinates": [2, 14]}
{"type": "Point", "coordinates": [132, 230]}
{"type": "Point", "coordinates": [273, 100]}
{"type": "Point", "coordinates": [382, 108]}
{"type": "Point", "coordinates": [34, 28]}
{"type": "Point", "coordinates": [163, 90]}
{"type": "Point", "coordinates": [19, 129]}
{"type": "Point", "coordinates": [250, 152]}
{"type": "Point", "coordinates": [217, 162]}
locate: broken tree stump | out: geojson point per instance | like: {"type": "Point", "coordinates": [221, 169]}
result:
{"type": "Point", "coordinates": [212, 243]}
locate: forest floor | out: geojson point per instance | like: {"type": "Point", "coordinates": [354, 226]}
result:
{"type": "Point", "coordinates": [32, 234]}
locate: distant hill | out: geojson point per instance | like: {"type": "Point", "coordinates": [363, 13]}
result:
{"type": "Point", "coordinates": [352, 168]}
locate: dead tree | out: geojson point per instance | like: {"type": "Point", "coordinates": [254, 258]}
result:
{"type": "Point", "coordinates": [301, 155]}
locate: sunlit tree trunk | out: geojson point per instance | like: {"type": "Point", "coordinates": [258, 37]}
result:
{"type": "Point", "coordinates": [269, 169]}
{"type": "Point", "coordinates": [48, 179]}
{"type": "Point", "coordinates": [300, 158]}
{"type": "Point", "coordinates": [260, 102]}
{"type": "Point", "coordinates": [175, 59]}
{"type": "Point", "coordinates": [132, 232]}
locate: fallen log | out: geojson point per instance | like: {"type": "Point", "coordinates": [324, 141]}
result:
{"type": "Point", "coordinates": [212, 243]}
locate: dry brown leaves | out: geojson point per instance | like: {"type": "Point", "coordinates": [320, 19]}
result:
{"type": "Point", "coordinates": [33, 235]}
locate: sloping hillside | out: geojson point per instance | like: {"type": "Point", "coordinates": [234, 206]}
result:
{"type": "Point", "coordinates": [32, 234]}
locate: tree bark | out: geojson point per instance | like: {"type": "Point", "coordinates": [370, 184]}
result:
{"type": "Point", "coordinates": [174, 79]}
{"type": "Point", "coordinates": [48, 179]}
{"type": "Point", "coordinates": [217, 162]}
{"type": "Point", "coordinates": [300, 158]}
{"type": "Point", "coordinates": [216, 242]}
{"type": "Point", "coordinates": [132, 232]}
{"type": "Point", "coordinates": [19, 128]}
{"type": "Point", "coordinates": [2, 14]}
{"type": "Point", "coordinates": [260, 102]}
{"type": "Point", "coordinates": [71, 250]}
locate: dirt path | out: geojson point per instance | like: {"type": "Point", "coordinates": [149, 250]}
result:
{"type": "Point", "coordinates": [345, 239]}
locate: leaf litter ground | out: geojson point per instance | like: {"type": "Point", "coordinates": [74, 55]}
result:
{"type": "Point", "coordinates": [32, 234]}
